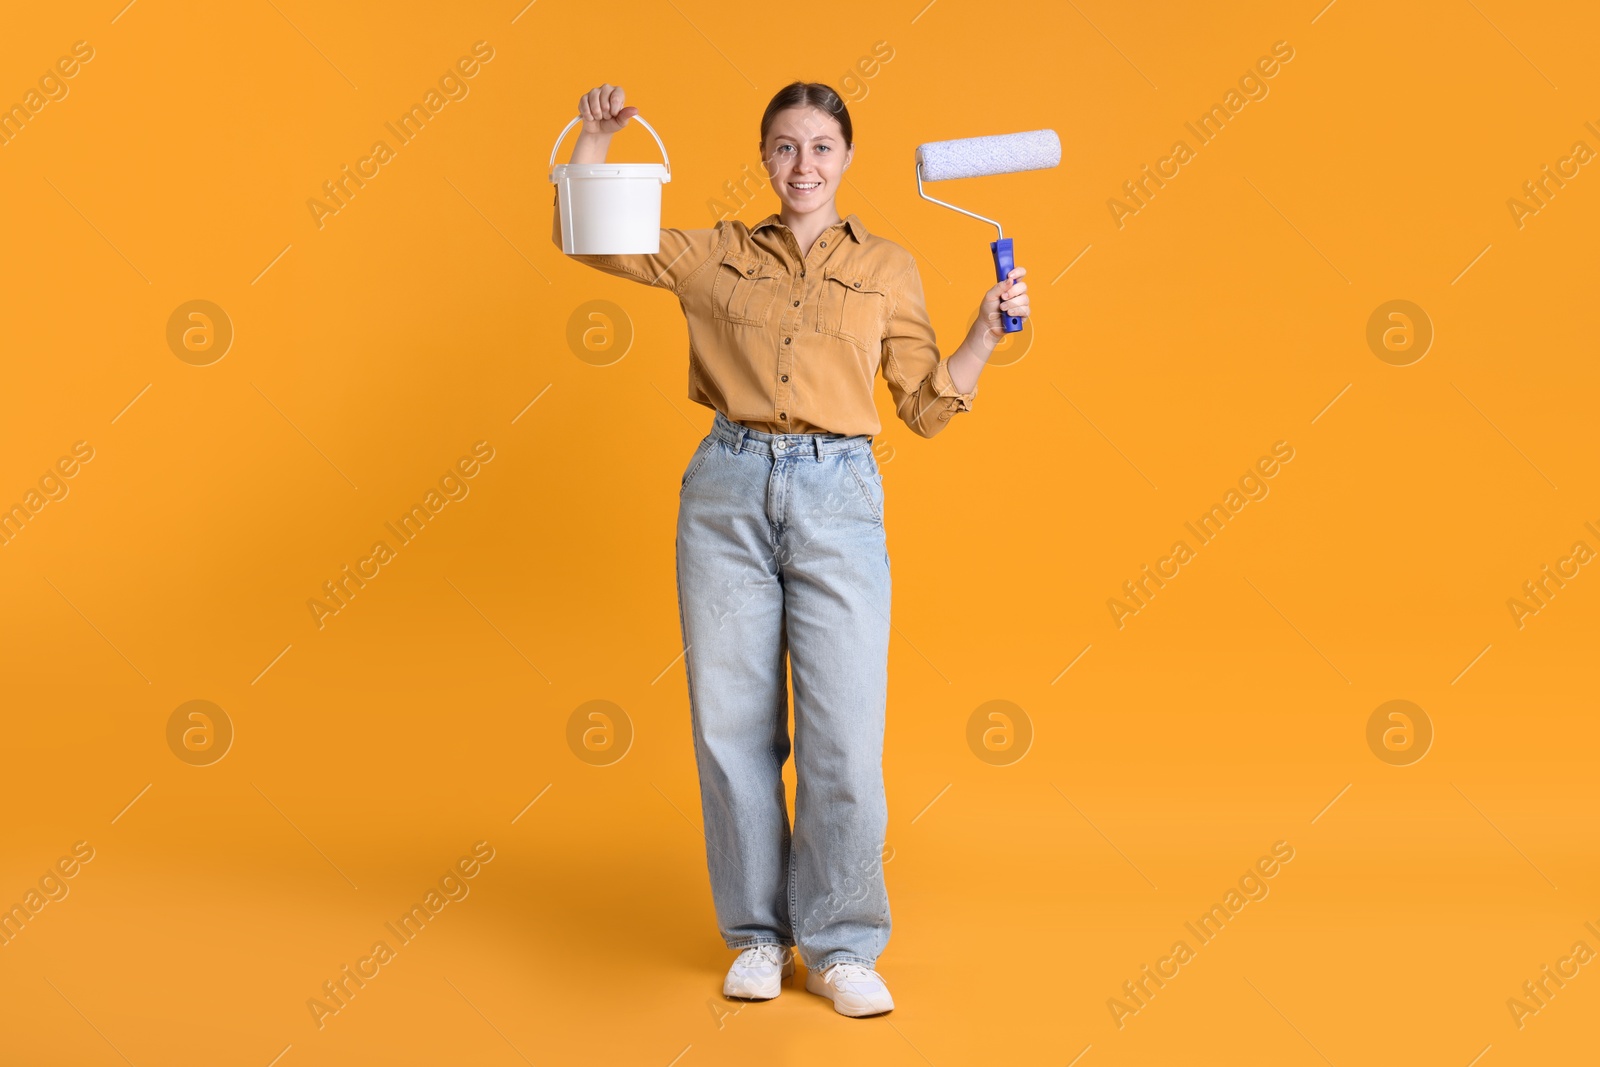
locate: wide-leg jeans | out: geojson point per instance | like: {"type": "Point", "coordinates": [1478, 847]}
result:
{"type": "Point", "coordinates": [781, 555]}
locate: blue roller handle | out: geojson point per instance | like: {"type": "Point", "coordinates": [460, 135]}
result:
{"type": "Point", "coordinates": [1002, 267]}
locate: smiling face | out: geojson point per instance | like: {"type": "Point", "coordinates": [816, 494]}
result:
{"type": "Point", "coordinates": [805, 157]}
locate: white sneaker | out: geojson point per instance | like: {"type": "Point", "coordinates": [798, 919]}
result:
{"type": "Point", "coordinates": [854, 988]}
{"type": "Point", "coordinates": [759, 972]}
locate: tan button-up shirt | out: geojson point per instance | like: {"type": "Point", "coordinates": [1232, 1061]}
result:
{"type": "Point", "coordinates": [786, 342]}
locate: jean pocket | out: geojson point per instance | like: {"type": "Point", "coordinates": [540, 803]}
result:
{"type": "Point", "coordinates": [702, 452]}
{"type": "Point", "coordinates": [869, 481]}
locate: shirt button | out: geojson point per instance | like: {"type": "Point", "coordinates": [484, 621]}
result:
{"type": "Point", "coordinates": [824, 244]}
{"type": "Point", "coordinates": [783, 415]}
{"type": "Point", "coordinates": [797, 303]}
{"type": "Point", "coordinates": [786, 340]}
{"type": "Point", "coordinates": [783, 378]}
{"type": "Point", "coordinates": [858, 285]}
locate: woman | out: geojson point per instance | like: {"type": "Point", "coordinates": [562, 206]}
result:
{"type": "Point", "coordinates": [780, 538]}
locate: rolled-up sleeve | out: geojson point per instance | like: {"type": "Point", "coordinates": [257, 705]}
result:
{"type": "Point", "coordinates": [682, 253]}
{"type": "Point", "coordinates": [925, 397]}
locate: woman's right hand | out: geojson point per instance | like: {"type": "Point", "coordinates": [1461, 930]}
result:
{"type": "Point", "coordinates": [602, 111]}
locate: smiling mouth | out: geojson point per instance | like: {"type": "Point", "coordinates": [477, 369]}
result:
{"type": "Point", "coordinates": [805, 187]}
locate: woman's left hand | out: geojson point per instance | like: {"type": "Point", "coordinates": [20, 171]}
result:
{"type": "Point", "coordinates": [1009, 297]}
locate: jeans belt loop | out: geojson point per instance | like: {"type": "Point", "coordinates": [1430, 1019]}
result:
{"type": "Point", "coordinates": [738, 444]}
{"type": "Point", "coordinates": [816, 440]}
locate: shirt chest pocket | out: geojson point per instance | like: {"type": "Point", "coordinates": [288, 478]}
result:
{"type": "Point", "coordinates": [852, 306]}
{"type": "Point", "coordinates": [745, 288]}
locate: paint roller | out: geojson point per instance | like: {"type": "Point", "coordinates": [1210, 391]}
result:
{"type": "Point", "coordinates": [971, 157]}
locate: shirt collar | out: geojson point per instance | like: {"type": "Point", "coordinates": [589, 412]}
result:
{"type": "Point", "coordinates": [857, 228]}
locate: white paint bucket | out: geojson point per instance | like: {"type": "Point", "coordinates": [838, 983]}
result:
{"type": "Point", "coordinates": [610, 208]}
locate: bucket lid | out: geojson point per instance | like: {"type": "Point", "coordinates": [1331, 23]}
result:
{"type": "Point", "coordinates": [610, 170]}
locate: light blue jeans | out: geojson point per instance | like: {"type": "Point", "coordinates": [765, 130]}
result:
{"type": "Point", "coordinates": [781, 553]}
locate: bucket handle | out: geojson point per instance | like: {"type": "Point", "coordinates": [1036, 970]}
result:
{"type": "Point", "coordinates": [635, 118]}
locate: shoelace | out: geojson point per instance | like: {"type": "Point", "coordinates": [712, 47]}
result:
{"type": "Point", "coordinates": [757, 953]}
{"type": "Point", "coordinates": [848, 972]}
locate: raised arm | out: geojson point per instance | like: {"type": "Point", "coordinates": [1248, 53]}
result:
{"type": "Point", "coordinates": [920, 382]}
{"type": "Point", "coordinates": [928, 390]}
{"type": "Point", "coordinates": [682, 252]}
{"type": "Point", "coordinates": [603, 115]}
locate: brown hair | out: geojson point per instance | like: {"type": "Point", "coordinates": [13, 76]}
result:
{"type": "Point", "coordinates": [808, 94]}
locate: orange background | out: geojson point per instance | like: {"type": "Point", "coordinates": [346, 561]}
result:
{"type": "Point", "coordinates": [426, 716]}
